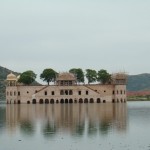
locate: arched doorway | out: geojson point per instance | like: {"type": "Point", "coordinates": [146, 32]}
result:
{"type": "Point", "coordinates": [34, 101]}
{"type": "Point", "coordinates": [66, 101]}
{"type": "Point", "coordinates": [57, 101]}
{"type": "Point", "coordinates": [85, 100]}
{"type": "Point", "coordinates": [19, 102]}
{"type": "Point", "coordinates": [91, 100]}
{"type": "Point", "coordinates": [52, 101]}
{"type": "Point", "coordinates": [41, 101]}
{"type": "Point", "coordinates": [121, 101]}
{"type": "Point", "coordinates": [113, 101]}
{"type": "Point", "coordinates": [80, 100]}
{"type": "Point", "coordinates": [98, 100]}
{"type": "Point", "coordinates": [75, 101]}
{"type": "Point", "coordinates": [70, 101]}
{"type": "Point", "coordinates": [14, 102]}
{"type": "Point", "coordinates": [46, 101]}
{"type": "Point", "coordinates": [62, 101]}
{"type": "Point", "coordinates": [28, 102]}
{"type": "Point", "coordinates": [117, 100]}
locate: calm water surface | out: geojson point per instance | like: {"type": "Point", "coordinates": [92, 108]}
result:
{"type": "Point", "coordinates": [75, 126]}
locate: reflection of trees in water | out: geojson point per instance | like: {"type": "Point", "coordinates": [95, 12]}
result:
{"type": "Point", "coordinates": [92, 128]}
{"type": "Point", "coordinates": [49, 129]}
{"type": "Point", "coordinates": [27, 127]}
{"type": "Point", "coordinates": [80, 129]}
{"type": "Point", "coordinates": [104, 127]}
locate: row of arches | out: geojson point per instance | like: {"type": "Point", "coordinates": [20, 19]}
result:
{"type": "Point", "coordinates": [52, 101]}
{"type": "Point", "coordinates": [14, 102]}
{"type": "Point", "coordinates": [117, 100]}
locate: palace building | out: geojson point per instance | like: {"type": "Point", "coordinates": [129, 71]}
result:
{"type": "Point", "coordinates": [66, 90]}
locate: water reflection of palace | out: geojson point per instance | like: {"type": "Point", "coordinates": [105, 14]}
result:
{"type": "Point", "coordinates": [71, 119]}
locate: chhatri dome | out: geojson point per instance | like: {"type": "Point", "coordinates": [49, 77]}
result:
{"type": "Point", "coordinates": [66, 76]}
{"type": "Point", "coordinates": [65, 79]}
{"type": "Point", "coordinates": [11, 77]}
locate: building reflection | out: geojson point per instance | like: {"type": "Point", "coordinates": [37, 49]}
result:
{"type": "Point", "coordinates": [73, 119]}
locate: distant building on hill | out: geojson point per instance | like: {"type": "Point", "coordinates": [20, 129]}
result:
{"type": "Point", "coordinates": [66, 90]}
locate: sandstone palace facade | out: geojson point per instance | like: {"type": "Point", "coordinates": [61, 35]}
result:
{"type": "Point", "coordinates": [66, 90]}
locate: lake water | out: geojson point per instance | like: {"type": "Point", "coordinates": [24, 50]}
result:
{"type": "Point", "coordinates": [75, 126]}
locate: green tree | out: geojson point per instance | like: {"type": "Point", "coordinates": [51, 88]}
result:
{"type": "Point", "coordinates": [78, 72]}
{"type": "Point", "coordinates": [27, 77]}
{"type": "Point", "coordinates": [91, 75]}
{"type": "Point", "coordinates": [48, 75]}
{"type": "Point", "coordinates": [103, 76]}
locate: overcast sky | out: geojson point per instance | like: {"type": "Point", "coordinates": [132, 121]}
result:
{"type": "Point", "coordinates": [62, 34]}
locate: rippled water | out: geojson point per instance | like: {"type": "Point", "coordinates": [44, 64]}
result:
{"type": "Point", "coordinates": [75, 126]}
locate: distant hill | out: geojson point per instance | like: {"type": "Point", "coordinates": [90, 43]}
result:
{"type": "Point", "coordinates": [3, 75]}
{"type": "Point", "coordinates": [139, 82]}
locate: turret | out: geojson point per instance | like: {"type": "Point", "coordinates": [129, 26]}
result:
{"type": "Point", "coordinates": [119, 78]}
{"type": "Point", "coordinates": [11, 80]}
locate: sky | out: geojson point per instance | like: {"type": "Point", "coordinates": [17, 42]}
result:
{"type": "Point", "coordinates": [63, 34]}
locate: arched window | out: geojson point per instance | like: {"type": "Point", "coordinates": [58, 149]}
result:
{"type": "Point", "coordinates": [18, 93]}
{"type": "Point", "coordinates": [75, 101]}
{"type": "Point", "coordinates": [61, 92]}
{"type": "Point", "coordinates": [70, 101]}
{"type": "Point", "coordinates": [91, 100]}
{"type": "Point", "coordinates": [87, 92]}
{"type": "Point", "coordinates": [52, 101]}
{"type": "Point", "coordinates": [41, 101]}
{"type": "Point", "coordinates": [66, 92]}
{"type": "Point", "coordinates": [80, 100]}
{"type": "Point", "coordinates": [46, 101]}
{"type": "Point", "coordinates": [62, 101]}
{"type": "Point", "coordinates": [120, 91]}
{"type": "Point", "coordinates": [70, 92]}
{"type": "Point", "coordinates": [34, 101]}
{"type": "Point", "coordinates": [85, 100]}
{"type": "Point", "coordinates": [98, 100]}
{"type": "Point", "coordinates": [117, 92]}
{"type": "Point", "coordinates": [66, 100]}
{"type": "Point", "coordinates": [113, 101]}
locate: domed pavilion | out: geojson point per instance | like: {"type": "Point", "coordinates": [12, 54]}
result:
{"type": "Point", "coordinates": [66, 79]}
{"type": "Point", "coordinates": [11, 79]}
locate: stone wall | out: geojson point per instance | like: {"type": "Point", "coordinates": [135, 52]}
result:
{"type": "Point", "coordinates": [77, 93]}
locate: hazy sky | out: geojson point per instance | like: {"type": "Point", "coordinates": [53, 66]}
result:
{"type": "Point", "coordinates": [61, 34]}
